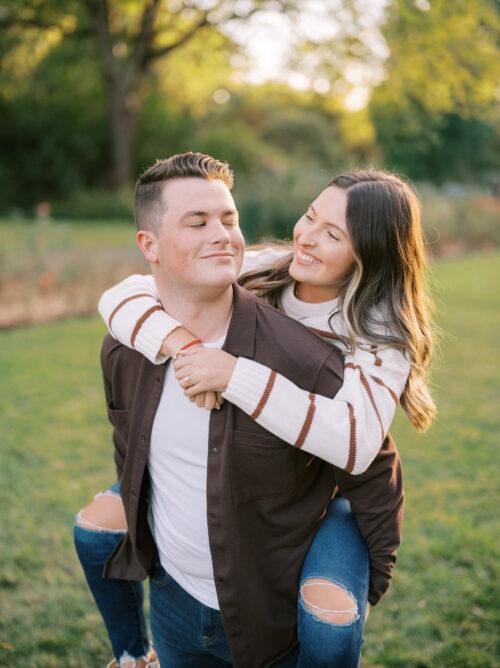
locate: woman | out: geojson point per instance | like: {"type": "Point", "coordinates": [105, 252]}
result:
{"type": "Point", "coordinates": [355, 276]}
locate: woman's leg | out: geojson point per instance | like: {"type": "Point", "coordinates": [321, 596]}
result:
{"type": "Point", "coordinates": [333, 592]}
{"type": "Point", "coordinates": [97, 531]}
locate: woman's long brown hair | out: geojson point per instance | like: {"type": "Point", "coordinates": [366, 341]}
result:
{"type": "Point", "coordinates": [384, 300]}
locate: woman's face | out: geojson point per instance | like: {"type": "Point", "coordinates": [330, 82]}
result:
{"type": "Point", "coordinates": [323, 255]}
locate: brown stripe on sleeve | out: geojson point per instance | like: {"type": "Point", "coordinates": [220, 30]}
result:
{"type": "Point", "coordinates": [351, 459]}
{"type": "Point", "coordinates": [373, 350]}
{"type": "Point", "coordinates": [122, 303]}
{"type": "Point", "coordinates": [265, 395]}
{"type": "Point", "coordinates": [380, 382]}
{"type": "Point", "coordinates": [307, 422]}
{"type": "Point", "coordinates": [335, 490]}
{"type": "Point", "coordinates": [142, 320]}
{"type": "Point", "coordinates": [366, 385]}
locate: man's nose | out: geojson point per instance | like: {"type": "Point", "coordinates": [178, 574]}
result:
{"type": "Point", "coordinates": [220, 234]}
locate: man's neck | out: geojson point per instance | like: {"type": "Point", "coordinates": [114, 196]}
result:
{"type": "Point", "coordinates": [205, 312]}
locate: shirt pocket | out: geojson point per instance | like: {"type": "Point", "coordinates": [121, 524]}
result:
{"type": "Point", "coordinates": [261, 466]}
{"type": "Point", "coordinates": [120, 419]}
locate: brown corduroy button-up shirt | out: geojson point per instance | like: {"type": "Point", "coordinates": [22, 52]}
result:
{"type": "Point", "coordinates": [264, 502]}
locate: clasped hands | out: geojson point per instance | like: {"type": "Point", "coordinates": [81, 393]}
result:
{"type": "Point", "coordinates": [204, 373]}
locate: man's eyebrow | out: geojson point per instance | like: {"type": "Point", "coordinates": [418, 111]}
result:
{"type": "Point", "coordinates": [194, 213]}
{"type": "Point", "coordinates": [228, 212]}
{"type": "Point", "coordinates": [326, 222]}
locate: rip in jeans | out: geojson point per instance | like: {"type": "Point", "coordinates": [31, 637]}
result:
{"type": "Point", "coordinates": [336, 607]}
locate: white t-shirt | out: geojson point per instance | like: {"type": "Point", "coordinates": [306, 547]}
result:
{"type": "Point", "coordinates": [178, 470]}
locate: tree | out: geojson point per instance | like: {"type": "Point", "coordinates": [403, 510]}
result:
{"type": "Point", "coordinates": [436, 113]}
{"type": "Point", "coordinates": [131, 37]}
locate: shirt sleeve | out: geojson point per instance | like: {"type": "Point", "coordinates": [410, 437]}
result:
{"type": "Point", "coordinates": [348, 430]}
{"type": "Point", "coordinates": [135, 317]}
{"type": "Point", "coordinates": [376, 498]}
{"type": "Point", "coordinates": [261, 259]}
{"type": "Point", "coordinates": [118, 442]}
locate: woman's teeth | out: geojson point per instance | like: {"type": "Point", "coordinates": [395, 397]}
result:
{"type": "Point", "coordinates": [307, 258]}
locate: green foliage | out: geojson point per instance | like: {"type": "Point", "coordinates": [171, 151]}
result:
{"type": "Point", "coordinates": [433, 118]}
{"type": "Point", "coordinates": [460, 219]}
{"type": "Point", "coordinates": [443, 147]}
{"type": "Point", "coordinates": [53, 133]}
{"type": "Point", "coordinates": [56, 453]}
{"type": "Point", "coordinates": [436, 114]}
{"type": "Point", "coordinates": [446, 56]}
{"type": "Point", "coordinates": [95, 205]}
{"type": "Point", "coordinates": [271, 201]}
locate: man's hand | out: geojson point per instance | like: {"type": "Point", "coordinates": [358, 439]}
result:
{"type": "Point", "coordinates": [201, 369]}
{"type": "Point", "coordinates": [208, 400]}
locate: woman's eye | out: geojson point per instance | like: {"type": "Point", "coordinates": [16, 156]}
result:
{"type": "Point", "coordinates": [308, 217]}
{"type": "Point", "coordinates": [197, 225]}
{"type": "Point", "coordinates": [332, 236]}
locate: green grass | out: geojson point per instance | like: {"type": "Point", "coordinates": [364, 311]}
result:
{"type": "Point", "coordinates": [56, 453]}
{"type": "Point", "coordinates": [19, 233]}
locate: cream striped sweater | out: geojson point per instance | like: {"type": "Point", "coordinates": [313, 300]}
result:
{"type": "Point", "coordinates": [346, 431]}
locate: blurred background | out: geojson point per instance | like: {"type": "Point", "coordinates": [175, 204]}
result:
{"type": "Point", "coordinates": [290, 93]}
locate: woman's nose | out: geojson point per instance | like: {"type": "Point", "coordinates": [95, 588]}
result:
{"type": "Point", "coordinates": [307, 239]}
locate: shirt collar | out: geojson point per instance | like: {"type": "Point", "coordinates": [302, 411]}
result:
{"type": "Point", "coordinates": [240, 339]}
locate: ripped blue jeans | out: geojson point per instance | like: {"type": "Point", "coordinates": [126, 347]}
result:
{"type": "Point", "coordinates": [329, 635]}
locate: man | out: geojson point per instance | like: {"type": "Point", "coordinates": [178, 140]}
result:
{"type": "Point", "coordinates": [199, 488]}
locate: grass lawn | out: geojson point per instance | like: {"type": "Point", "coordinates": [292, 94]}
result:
{"type": "Point", "coordinates": [56, 453]}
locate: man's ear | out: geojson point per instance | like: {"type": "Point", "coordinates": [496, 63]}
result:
{"type": "Point", "coordinates": [148, 245]}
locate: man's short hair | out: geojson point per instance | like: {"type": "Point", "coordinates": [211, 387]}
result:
{"type": "Point", "coordinates": [149, 207]}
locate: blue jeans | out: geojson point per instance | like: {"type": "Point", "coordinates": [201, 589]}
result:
{"type": "Point", "coordinates": [120, 602]}
{"type": "Point", "coordinates": [187, 633]}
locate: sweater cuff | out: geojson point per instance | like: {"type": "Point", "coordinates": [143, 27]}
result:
{"type": "Point", "coordinates": [247, 384]}
{"type": "Point", "coordinates": [150, 338]}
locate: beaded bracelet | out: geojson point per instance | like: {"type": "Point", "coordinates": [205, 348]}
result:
{"type": "Point", "coordinates": [187, 345]}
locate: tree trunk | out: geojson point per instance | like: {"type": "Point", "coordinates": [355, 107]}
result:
{"type": "Point", "coordinates": [123, 123]}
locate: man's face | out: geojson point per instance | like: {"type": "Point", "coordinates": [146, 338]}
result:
{"type": "Point", "coordinates": [200, 242]}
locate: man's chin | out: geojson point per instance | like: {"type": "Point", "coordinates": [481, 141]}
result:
{"type": "Point", "coordinates": [219, 279]}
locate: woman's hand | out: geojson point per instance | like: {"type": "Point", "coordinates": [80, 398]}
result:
{"type": "Point", "coordinates": [204, 369]}
{"type": "Point", "coordinates": [175, 340]}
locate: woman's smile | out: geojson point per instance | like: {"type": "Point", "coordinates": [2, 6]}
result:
{"type": "Point", "coordinates": [305, 259]}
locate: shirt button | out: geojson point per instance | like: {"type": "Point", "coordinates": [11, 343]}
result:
{"type": "Point", "coordinates": [158, 379]}
{"type": "Point", "coordinates": [133, 492]}
{"type": "Point", "coordinates": [143, 437]}
{"type": "Point", "coordinates": [215, 450]}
